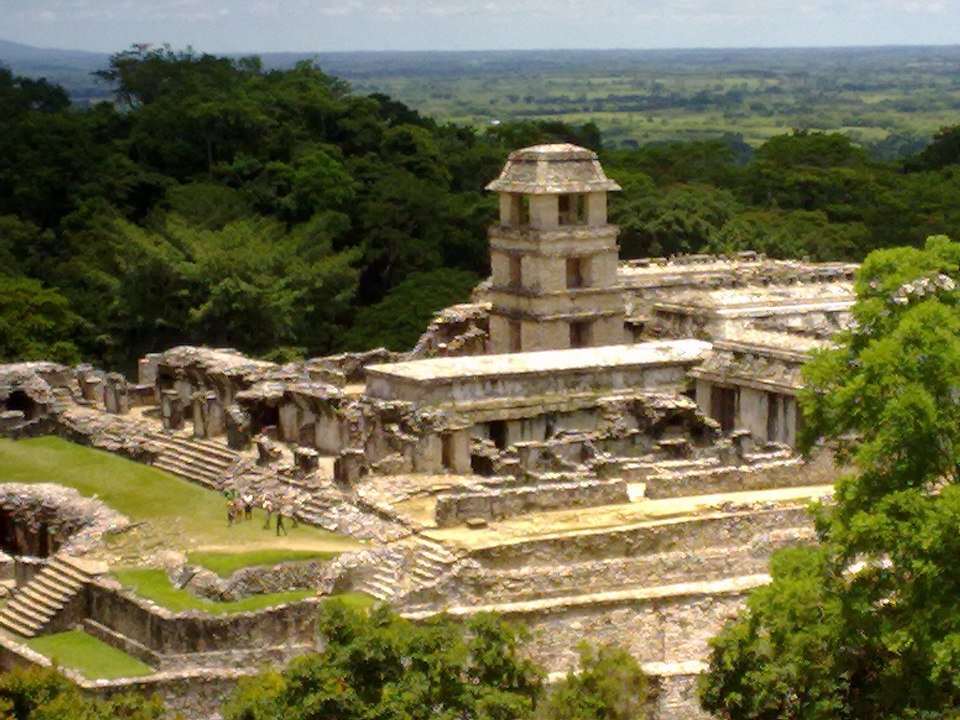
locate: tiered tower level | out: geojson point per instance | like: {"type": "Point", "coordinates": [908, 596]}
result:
{"type": "Point", "coordinates": [553, 254]}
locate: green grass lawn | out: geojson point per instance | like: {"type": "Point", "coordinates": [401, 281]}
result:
{"type": "Point", "coordinates": [187, 515]}
{"type": "Point", "coordinates": [93, 658]}
{"type": "Point", "coordinates": [155, 585]}
{"type": "Point", "coordinates": [225, 564]}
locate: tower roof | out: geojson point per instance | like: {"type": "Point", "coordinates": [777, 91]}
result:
{"type": "Point", "coordinates": [552, 169]}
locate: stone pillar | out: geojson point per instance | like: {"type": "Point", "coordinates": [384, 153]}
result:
{"type": "Point", "coordinates": [459, 446]}
{"type": "Point", "coordinates": [428, 454]}
{"type": "Point", "coordinates": [92, 388]}
{"type": "Point", "coordinates": [289, 430]}
{"type": "Point", "coordinates": [198, 404]}
{"type": "Point", "coordinates": [349, 467]}
{"type": "Point", "coordinates": [238, 427]}
{"type": "Point", "coordinates": [213, 416]}
{"type": "Point", "coordinates": [147, 369]}
{"type": "Point", "coordinates": [544, 211]}
{"type": "Point", "coordinates": [171, 410]}
{"type": "Point", "coordinates": [116, 400]}
{"type": "Point", "coordinates": [596, 208]}
{"type": "Point", "coordinates": [306, 459]}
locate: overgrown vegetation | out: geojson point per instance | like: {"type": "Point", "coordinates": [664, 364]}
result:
{"type": "Point", "coordinates": [865, 625]}
{"type": "Point", "coordinates": [281, 213]}
{"type": "Point", "coordinates": [378, 665]}
{"type": "Point", "coordinates": [44, 694]}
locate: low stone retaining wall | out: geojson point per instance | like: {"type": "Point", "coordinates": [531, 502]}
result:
{"type": "Point", "coordinates": [73, 523]}
{"type": "Point", "coordinates": [497, 503]}
{"type": "Point", "coordinates": [790, 472]}
{"type": "Point", "coordinates": [165, 632]}
{"type": "Point", "coordinates": [734, 528]}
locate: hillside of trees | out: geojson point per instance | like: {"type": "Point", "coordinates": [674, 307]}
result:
{"type": "Point", "coordinates": [279, 212]}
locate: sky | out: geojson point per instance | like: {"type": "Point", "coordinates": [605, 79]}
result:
{"type": "Point", "coordinates": [330, 25]}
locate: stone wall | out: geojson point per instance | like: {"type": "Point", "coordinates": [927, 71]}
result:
{"type": "Point", "coordinates": [497, 503]}
{"type": "Point", "coordinates": [708, 530]}
{"type": "Point", "coordinates": [167, 633]}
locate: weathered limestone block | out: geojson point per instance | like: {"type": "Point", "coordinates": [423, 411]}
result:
{"type": "Point", "coordinates": [427, 454]}
{"type": "Point", "coordinates": [171, 410]}
{"type": "Point", "coordinates": [267, 451]}
{"type": "Point", "coordinates": [237, 424]}
{"type": "Point", "coordinates": [147, 369]}
{"type": "Point", "coordinates": [213, 415]}
{"type": "Point", "coordinates": [116, 398]}
{"type": "Point", "coordinates": [349, 467]}
{"type": "Point", "coordinates": [306, 459]}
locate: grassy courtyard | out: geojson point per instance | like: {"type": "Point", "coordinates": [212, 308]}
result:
{"type": "Point", "coordinates": [90, 657]}
{"type": "Point", "coordinates": [173, 512]}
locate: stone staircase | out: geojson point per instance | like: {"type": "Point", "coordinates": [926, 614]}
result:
{"type": "Point", "coordinates": [37, 603]}
{"type": "Point", "coordinates": [416, 562]}
{"type": "Point", "coordinates": [383, 583]}
{"type": "Point", "coordinates": [202, 461]}
{"type": "Point", "coordinates": [430, 561]}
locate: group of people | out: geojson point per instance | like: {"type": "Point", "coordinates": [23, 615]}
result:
{"type": "Point", "coordinates": [240, 507]}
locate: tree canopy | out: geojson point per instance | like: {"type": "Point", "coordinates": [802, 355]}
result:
{"type": "Point", "coordinates": [215, 201]}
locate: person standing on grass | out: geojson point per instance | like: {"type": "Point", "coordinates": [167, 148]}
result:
{"type": "Point", "coordinates": [280, 525]}
{"type": "Point", "coordinates": [248, 506]}
{"type": "Point", "coordinates": [268, 509]}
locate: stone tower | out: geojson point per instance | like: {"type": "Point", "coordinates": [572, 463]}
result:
{"type": "Point", "coordinates": [553, 254]}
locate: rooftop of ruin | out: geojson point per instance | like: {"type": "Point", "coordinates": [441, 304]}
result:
{"type": "Point", "coordinates": [545, 362]}
{"type": "Point", "coordinates": [552, 169]}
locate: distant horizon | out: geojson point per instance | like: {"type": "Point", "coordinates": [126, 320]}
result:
{"type": "Point", "coordinates": [324, 26]}
{"type": "Point", "coordinates": [678, 48]}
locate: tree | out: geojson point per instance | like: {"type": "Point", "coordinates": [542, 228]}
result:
{"type": "Point", "coordinates": [867, 625]}
{"type": "Point", "coordinates": [942, 152]}
{"type": "Point", "coordinates": [610, 685]}
{"type": "Point", "coordinates": [397, 321]}
{"type": "Point", "coordinates": [44, 694]}
{"type": "Point", "coordinates": [36, 323]}
{"type": "Point", "coordinates": [790, 234]}
{"type": "Point", "coordinates": [680, 218]}
{"type": "Point", "coordinates": [382, 666]}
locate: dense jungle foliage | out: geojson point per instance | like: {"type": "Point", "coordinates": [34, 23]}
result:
{"type": "Point", "coordinates": [283, 214]}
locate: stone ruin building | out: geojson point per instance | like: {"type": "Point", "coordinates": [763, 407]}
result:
{"type": "Point", "coordinates": [602, 449]}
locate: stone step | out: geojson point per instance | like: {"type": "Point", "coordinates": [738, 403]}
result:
{"type": "Point", "coordinates": [55, 587]}
{"type": "Point", "coordinates": [14, 626]}
{"type": "Point", "coordinates": [23, 608]}
{"type": "Point", "coordinates": [196, 457]}
{"type": "Point", "coordinates": [39, 598]}
{"type": "Point", "coordinates": [189, 473]}
{"type": "Point", "coordinates": [379, 589]}
{"type": "Point", "coordinates": [198, 446]}
{"type": "Point", "coordinates": [62, 568]}
{"type": "Point", "coordinates": [185, 469]}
